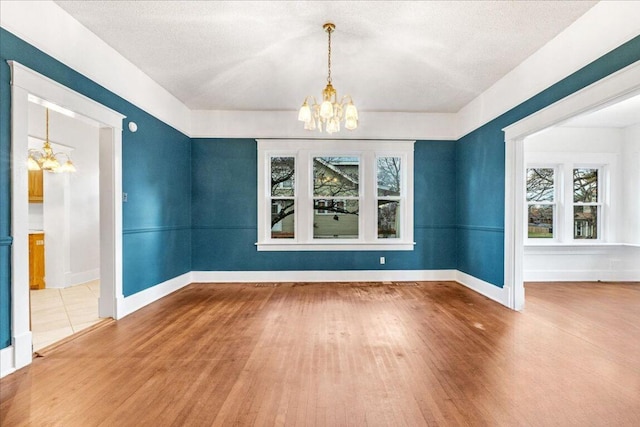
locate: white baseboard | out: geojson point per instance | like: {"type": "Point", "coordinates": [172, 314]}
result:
{"type": "Point", "coordinates": [72, 279]}
{"type": "Point", "coordinates": [18, 355]}
{"type": "Point", "coordinates": [321, 276]}
{"type": "Point", "coordinates": [137, 301]}
{"type": "Point", "coordinates": [581, 276]}
{"type": "Point", "coordinates": [7, 363]}
{"type": "Point", "coordinates": [501, 295]}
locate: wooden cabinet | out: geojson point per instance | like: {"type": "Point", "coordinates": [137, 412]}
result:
{"type": "Point", "coordinates": [36, 261]}
{"type": "Point", "coordinates": [36, 188]}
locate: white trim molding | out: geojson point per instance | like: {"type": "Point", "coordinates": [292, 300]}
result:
{"type": "Point", "coordinates": [322, 276]}
{"type": "Point", "coordinates": [304, 153]}
{"type": "Point", "coordinates": [493, 292]}
{"type": "Point", "coordinates": [613, 88]}
{"type": "Point", "coordinates": [582, 276]}
{"type": "Point", "coordinates": [25, 85]}
{"type": "Point", "coordinates": [143, 298]}
{"type": "Point", "coordinates": [284, 124]}
{"type": "Point", "coordinates": [7, 363]}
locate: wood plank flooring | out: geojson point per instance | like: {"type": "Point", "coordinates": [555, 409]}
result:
{"type": "Point", "coordinates": [356, 354]}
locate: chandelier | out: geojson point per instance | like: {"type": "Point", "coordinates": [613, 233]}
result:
{"type": "Point", "coordinates": [331, 112]}
{"type": "Point", "coordinates": [46, 159]}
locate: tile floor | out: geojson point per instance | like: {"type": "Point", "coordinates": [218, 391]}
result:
{"type": "Point", "coordinates": [58, 313]}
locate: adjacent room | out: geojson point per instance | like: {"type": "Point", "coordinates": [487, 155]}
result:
{"type": "Point", "coordinates": [64, 226]}
{"type": "Point", "coordinates": [319, 213]}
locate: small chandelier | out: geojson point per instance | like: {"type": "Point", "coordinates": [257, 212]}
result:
{"type": "Point", "coordinates": [330, 112]}
{"type": "Point", "coordinates": [46, 160]}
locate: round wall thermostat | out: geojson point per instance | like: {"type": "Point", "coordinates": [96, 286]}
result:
{"type": "Point", "coordinates": [133, 126]}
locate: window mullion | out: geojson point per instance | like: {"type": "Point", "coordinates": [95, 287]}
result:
{"type": "Point", "coordinates": [304, 211]}
{"type": "Point", "coordinates": [368, 182]}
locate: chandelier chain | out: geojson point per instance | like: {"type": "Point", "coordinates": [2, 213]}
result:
{"type": "Point", "coordinates": [47, 125]}
{"type": "Point", "coordinates": [329, 57]}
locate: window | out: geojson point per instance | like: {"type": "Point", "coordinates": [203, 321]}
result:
{"type": "Point", "coordinates": [541, 206]}
{"type": "Point", "coordinates": [565, 200]}
{"type": "Point", "coordinates": [282, 196]}
{"type": "Point", "coordinates": [389, 196]}
{"type": "Point", "coordinates": [335, 195]}
{"type": "Point", "coordinates": [585, 203]}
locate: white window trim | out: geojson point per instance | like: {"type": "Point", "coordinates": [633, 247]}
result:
{"type": "Point", "coordinates": [304, 151]}
{"type": "Point", "coordinates": [564, 163]}
{"type": "Point", "coordinates": [557, 202]}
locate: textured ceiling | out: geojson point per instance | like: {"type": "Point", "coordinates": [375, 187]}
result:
{"type": "Point", "coordinates": [430, 56]}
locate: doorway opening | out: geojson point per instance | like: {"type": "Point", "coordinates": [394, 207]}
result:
{"type": "Point", "coordinates": [578, 215]}
{"type": "Point", "coordinates": [64, 226]}
{"type": "Point", "coordinates": [29, 87]}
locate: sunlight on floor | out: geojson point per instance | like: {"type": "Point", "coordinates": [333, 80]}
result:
{"type": "Point", "coordinates": [58, 313]}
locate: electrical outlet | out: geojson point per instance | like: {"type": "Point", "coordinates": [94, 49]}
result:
{"type": "Point", "coordinates": [124, 197]}
{"type": "Point", "coordinates": [382, 260]}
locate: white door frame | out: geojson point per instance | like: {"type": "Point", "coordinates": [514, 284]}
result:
{"type": "Point", "coordinates": [25, 82]}
{"type": "Point", "coordinates": [609, 90]}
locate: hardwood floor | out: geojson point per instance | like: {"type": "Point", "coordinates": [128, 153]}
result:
{"type": "Point", "coordinates": [359, 354]}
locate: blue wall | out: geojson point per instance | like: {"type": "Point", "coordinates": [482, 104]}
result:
{"type": "Point", "coordinates": [480, 164]}
{"type": "Point", "coordinates": [156, 175]}
{"type": "Point", "coordinates": [224, 217]}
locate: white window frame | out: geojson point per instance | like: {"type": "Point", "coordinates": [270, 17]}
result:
{"type": "Point", "coordinates": [598, 205]}
{"type": "Point", "coordinates": [557, 201]}
{"type": "Point", "coordinates": [564, 163]}
{"type": "Point", "coordinates": [304, 151]}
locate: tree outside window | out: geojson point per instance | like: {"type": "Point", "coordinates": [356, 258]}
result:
{"type": "Point", "coordinates": [541, 204]}
{"type": "Point", "coordinates": [585, 203]}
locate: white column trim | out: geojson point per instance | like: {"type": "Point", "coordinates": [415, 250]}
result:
{"type": "Point", "coordinates": [24, 83]}
{"type": "Point", "coordinates": [20, 327]}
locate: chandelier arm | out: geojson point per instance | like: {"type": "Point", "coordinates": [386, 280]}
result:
{"type": "Point", "coordinates": [310, 97]}
{"type": "Point", "coordinates": [346, 97]}
{"type": "Point", "coordinates": [62, 153]}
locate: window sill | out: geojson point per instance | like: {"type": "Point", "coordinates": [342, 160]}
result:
{"type": "Point", "coordinates": [333, 246]}
{"type": "Point", "coordinates": [572, 244]}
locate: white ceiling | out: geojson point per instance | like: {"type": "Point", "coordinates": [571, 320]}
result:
{"type": "Point", "coordinates": [619, 115]}
{"type": "Point", "coordinates": [430, 56]}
